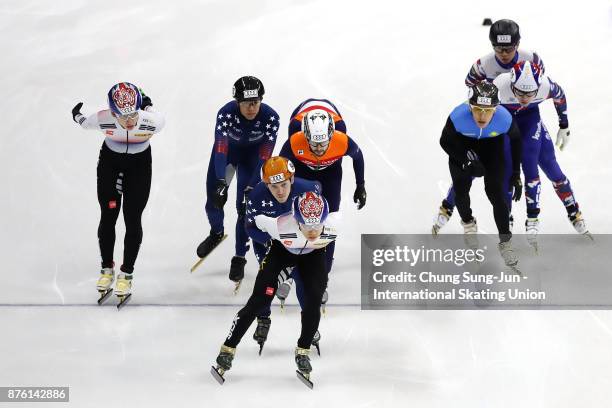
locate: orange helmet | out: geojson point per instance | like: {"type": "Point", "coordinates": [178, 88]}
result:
{"type": "Point", "coordinates": [276, 170]}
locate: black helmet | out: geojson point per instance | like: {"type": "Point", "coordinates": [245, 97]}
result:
{"type": "Point", "coordinates": [504, 32]}
{"type": "Point", "coordinates": [484, 94]}
{"type": "Point", "coordinates": [248, 88]}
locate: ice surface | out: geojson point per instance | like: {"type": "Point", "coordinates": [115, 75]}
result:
{"type": "Point", "coordinates": [395, 70]}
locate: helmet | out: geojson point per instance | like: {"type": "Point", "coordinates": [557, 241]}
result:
{"type": "Point", "coordinates": [276, 170]}
{"type": "Point", "coordinates": [310, 209]}
{"type": "Point", "coordinates": [483, 94]}
{"type": "Point", "coordinates": [124, 98]}
{"type": "Point", "coordinates": [318, 126]}
{"type": "Point", "coordinates": [504, 32]}
{"type": "Point", "coordinates": [525, 76]}
{"type": "Point", "coordinates": [248, 88]}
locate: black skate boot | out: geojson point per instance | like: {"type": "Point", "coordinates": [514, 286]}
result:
{"type": "Point", "coordinates": [210, 243]}
{"type": "Point", "coordinates": [315, 341]}
{"type": "Point", "coordinates": [224, 363]}
{"type": "Point", "coordinates": [303, 364]}
{"type": "Point", "coordinates": [261, 331]}
{"type": "Point", "coordinates": [236, 273]}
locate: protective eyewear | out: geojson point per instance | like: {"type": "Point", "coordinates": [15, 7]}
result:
{"type": "Point", "coordinates": [524, 94]}
{"type": "Point", "coordinates": [482, 109]}
{"type": "Point", "coordinates": [311, 227]}
{"type": "Point", "coordinates": [133, 115]}
{"type": "Point", "coordinates": [504, 49]}
{"type": "Point", "coordinates": [319, 145]}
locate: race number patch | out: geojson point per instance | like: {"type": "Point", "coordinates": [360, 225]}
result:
{"type": "Point", "coordinates": [483, 100]}
{"type": "Point", "coordinates": [504, 39]}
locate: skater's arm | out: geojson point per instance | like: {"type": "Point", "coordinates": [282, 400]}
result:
{"type": "Point", "coordinates": [355, 153]}
{"type": "Point", "coordinates": [221, 146]}
{"type": "Point", "coordinates": [451, 142]}
{"type": "Point", "coordinates": [515, 147]}
{"type": "Point", "coordinates": [558, 97]}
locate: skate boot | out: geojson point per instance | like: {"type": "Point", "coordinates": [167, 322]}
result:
{"type": "Point", "coordinates": [507, 253]}
{"type": "Point", "coordinates": [532, 227]}
{"type": "Point", "coordinates": [283, 291]}
{"type": "Point", "coordinates": [224, 363]}
{"type": "Point", "coordinates": [315, 341]}
{"type": "Point", "coordinates": [470, 230]}
{"type": "Point", "coordinates": [123, 288]}
{"type": "Point", "coordinates": [206, 247]}
{"type": "Point", "coordinates": [261, 331]}
{"type": "Point", "coordinates": [105, 281]}
{"type": "Point", "coordinates": [579, 225]}
{"type": "Point", "coordinates": [236, 273]}
{"type": "Point", "coordinates": [302, 360]}
{"type": "Point", "coordinates": [324, 300]}
{"type": "Point", "coordinates": [511, 222]}
{"type": "Point", "coordinates": [441, 219]}
{"type": "Point", "coordinates": [210, 243]}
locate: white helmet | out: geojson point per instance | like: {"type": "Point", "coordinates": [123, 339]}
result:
{"type": "Point", "coordinates": [318, 126]}
{"type": "Point", "coordinates": [526, 76]}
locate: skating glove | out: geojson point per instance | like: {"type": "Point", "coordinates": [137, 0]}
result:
{"type": "Point", "coordinates": [245, 198]}
{"type": "Point", "coordinates": [473, 166]}
{"type": "Point", "coordinates": [76, 111]}
{"type": "Point", "coordinates": [220, 196]}
{"type": "Point", "coordinates": [563, 137]}
{"type": "Point", "coordinates": [360, 196]}
{"type": "Point", "coordinates": [146, 101]}
{"type": "Point", "coordinates": [517, 185]}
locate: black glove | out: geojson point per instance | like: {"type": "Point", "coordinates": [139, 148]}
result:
{"type": "Point", "coordinates": [473, 165]}
{"type": "Point", "coordinates": [517, 185]}
{"type": "Point", "coordinates": [474, 168]}
{"type": "Point", "coordinates": [146, 101]}
{"type": "Point", "coordinates": [76, 111]}
{"type": "Point", "coordinates": [219, 198]}
{"type": "Point", "coordinates": [245, 198]}
{"type": "Point", "coordinates": [360, 196]}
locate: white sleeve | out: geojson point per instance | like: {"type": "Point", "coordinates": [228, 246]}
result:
{"type": "Point", "coordinates": [90, 122]}
{"type": "Point", "coordinates": [269, 225]}
{"type": "Point", "coordinates": [158, 119]}
{"type": "Point", "coordinates": [332, 222]}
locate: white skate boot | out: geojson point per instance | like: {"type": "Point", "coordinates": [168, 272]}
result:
{"type": "Point", "coordinates": [580, 225]}
{"type": "Point", "coordinates": [123, 288]}
{"type": "Point", "coordinates": [440, 220]}
{"type": "Point", "coordinates": [532, 227]}
{"type": "Point", "coordinates": [470, 230]}
{"type": "Point", "coordinates": [105, 281]}
{"type": "Point", "coordinates": [507, 253]}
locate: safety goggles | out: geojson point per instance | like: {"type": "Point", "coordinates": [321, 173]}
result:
{"type": "Point", "coordinates": [128, 116]}
{"type": "Point", "coordinates": [482, 109]}
{"type": "Point", "coordinates": [311, 227]}
{"type": "Point", "coordinates": [504, 49]}
{"type": "Point", "coordinates": [524, 94]}
{"type": "Point", "coordinates": [319, 145]}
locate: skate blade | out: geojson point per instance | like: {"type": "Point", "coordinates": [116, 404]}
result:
{"type": "Point", "coordinates": [237, 287]}
{"type": "Point", "coordinates": [199, 261]}
{"type": "Point", "coordinates": [217, 373]}
{"type": "Point", "coordinates": [104, 295]}
{"type": "Point", "coordinates": [123, 300]}
{"type": "Point", "coordinates": [323, 310]}
{"type": "Point", "coordinates": [260, 347]}
{"type": "Point", "coordinates": [317, 347]}
{"type": "Point", "coordinates": [304, 378]}
{"type": "Point", "coordinates": [589, 236]}
{"type": "Point", "coordinates": [434, 231]}
{"type": "Point", "coordinates": [515, 269]}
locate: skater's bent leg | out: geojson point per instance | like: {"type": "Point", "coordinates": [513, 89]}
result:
{"type": "Point", "coordinates": [264, 289]}
{"type": "Point", "coordinates": [314, 277]}
{"type": "Point", "coordinates": [109, 199]}
{"type": "Point", "coordinates": [462, 182]}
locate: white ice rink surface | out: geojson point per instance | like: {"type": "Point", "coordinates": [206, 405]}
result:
{"type": "Point", "coordinates": [395, 71]}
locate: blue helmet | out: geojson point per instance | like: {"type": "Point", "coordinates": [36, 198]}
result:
{"type": "Point", "coordinates": [310, 209]}
{"type": "Point", "coordinates": [124, 98]}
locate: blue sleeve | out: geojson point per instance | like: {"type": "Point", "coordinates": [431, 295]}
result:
{"type": "Point", "coordinates": [558, 97]}
{"type": "Point", "coordinates": [358, 163]}
{"type": "Point", "coordinates": [267, 145]}
{"type": "Point", "coordinates": [221, 145]}
{"type": "Point", "coordinates": [286, 151]}
{"type": "Point", "coordinates": [255, 233]}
